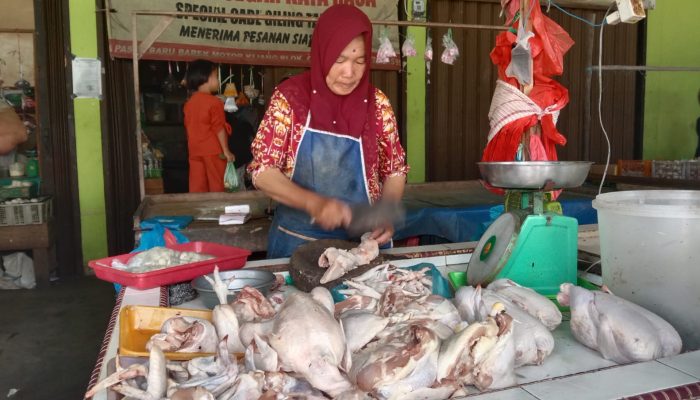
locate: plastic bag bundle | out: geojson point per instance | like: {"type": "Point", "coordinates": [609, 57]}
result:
{"type": "Point", "coordinates": [520, 66]}
{"type": "Point", "coordinates": [230, 93]}
{"type": "Point", "coordinates": [231, 182]}
{"type": "Point", "coordinates": [409, 47]}
{"type": "Point", "coordinates": [428, 56]}
{"type": "Point", "coordinates": [451, 52]}
{"type": "Point", "coordinates": [386, 50]}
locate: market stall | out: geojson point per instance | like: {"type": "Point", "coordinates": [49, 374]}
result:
{"type": "Point", "coordinates": [511, 306]}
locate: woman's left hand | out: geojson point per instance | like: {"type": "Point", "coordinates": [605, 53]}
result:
{"type": "Point", "coordinates": [382, 234]}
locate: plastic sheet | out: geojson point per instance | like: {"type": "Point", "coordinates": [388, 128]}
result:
{"type": "Point", "coordinates": [469, 223]}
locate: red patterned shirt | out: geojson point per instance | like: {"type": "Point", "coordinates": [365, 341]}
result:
{"type": "Point", "coordinates": [280, 132]}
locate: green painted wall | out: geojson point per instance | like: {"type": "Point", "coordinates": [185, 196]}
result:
{"type": "Point", "coordinates": [415, 108]}
{"type": "Point", "coordinates": [671, 98]}
{"type": "Point", "coordinates": [88, 138]}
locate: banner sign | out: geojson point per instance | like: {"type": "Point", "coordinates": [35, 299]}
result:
{"type": "Point", "coordinates": [234, 40]}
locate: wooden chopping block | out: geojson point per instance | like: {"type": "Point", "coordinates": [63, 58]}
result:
{"type": "Point", "coordinates": [304, 269]}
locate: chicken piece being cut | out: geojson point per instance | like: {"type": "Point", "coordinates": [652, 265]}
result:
{"type": "Point", "coordinates": [251, 305]}
{"type": "Point", "coordinates": [338, 261]}
{"type": "Point", "coordinates": [533, 341]}
{"type": "Point", "coordinates": [185, 335]}
{"type": "Point", "coordinates": [307, 339]}
{"type": "Point", "coordinates": [532, 302]}
{"type": "Point", "coordinates": [620, 330]}
{"type": "Point", "coordinates": [224, 316]}
{"type": "Point", "coordinates": [401, 363]}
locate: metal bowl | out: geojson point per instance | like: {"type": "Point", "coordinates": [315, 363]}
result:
{"type": "Point", "coordinates": [261, 280]}
{"type": "Point", "coordinates": [535, 174]}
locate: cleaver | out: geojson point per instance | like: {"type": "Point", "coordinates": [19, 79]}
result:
{"type": "Point", "coordinates": [367, 217]}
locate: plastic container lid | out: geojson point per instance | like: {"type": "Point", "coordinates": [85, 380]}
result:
{"type": "Point", "coordinates": [651, 203]}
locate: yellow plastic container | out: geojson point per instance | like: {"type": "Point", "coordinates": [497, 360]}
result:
{"type": "Point", "coordinates": [138, 323]}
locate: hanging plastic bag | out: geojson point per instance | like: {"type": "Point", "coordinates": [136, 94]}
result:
{"type": "Point", "coordinates": [428, 56]}
{"type": "Point", "coordinates": [520, 66]}
{"type": "Point", "coordinates": [231, 183]}
{"type": "Point", "coordinates": [230, 93]}
{"type": "Point", "coordinates": [409, 46]}
{"type": "Point", "coordinates": [386, 49]}
{"type": "Point", "coordinates": [451, 52]}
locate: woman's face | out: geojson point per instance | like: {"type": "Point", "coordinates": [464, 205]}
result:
{"type": "Point", "coordinates": [347, 71]}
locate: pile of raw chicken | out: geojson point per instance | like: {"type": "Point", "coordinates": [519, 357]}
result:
{"type": "Point", "coordinates": [391, 338]}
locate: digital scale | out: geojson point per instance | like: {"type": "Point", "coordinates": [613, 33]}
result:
{"type": "Point", "coordinates": [532, 242]}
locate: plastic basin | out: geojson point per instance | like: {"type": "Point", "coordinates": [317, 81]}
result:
{"type": "Point", "coordinates": [650, 255]}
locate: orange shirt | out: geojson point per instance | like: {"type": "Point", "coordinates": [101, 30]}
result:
{"type": "Point", "coordinates": [204, 118]}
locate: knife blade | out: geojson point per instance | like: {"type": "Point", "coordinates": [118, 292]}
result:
{"type": "Point", "coordinates": [368, 217]}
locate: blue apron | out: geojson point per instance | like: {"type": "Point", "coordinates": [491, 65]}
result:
{"type": "Point", "coordinates": [330, 164]}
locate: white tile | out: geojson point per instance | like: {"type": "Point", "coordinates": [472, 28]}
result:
{"type": "Point", "coordinates": [687, 362]}
{"type": "Point", "coordinates": [569, 357]}
{"type": "Point", "coordinates": [458, 259]}
{"type": "Point", "coordinates": [415, 249]}
{"type": "Point", "coordinates": [613, 383]}
{"type": "Point", "coordinates": [265, 263]}
{"type": "Point", "coordinates": [507, 394]}
{"type": "Point", "coordinates": [437, 261]}
{"type": "Point", "coordinates": [461, 245]}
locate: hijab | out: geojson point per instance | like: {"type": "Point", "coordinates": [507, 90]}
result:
{"type": "Point", "coordinates": [353, 113]}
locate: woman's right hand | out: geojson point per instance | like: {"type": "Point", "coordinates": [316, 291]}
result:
{"type": "Point", "coordinates": [329, 213]}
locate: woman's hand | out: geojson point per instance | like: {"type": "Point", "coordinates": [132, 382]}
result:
{"type": "Point", "coordinates": [329, 213]}
{"type": "Point", "coordinates": [229, 156]}
{"type": "Point", "coordinates": [382, 234]}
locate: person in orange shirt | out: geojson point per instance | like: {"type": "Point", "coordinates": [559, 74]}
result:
{"type": "Point", "coordinates": [207, 130]}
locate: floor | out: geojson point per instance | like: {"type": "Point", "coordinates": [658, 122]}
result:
{"type": "Point", "coordinates": [50, 337]}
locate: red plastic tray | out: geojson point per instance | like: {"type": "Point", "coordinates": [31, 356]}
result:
{"type": "Point", "coordinates": [226, 257]}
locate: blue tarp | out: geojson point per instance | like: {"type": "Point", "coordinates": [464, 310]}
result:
{"type": "Point", "coordinates": [469, 223]}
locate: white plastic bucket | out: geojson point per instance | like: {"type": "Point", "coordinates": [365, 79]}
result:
{"type": "Point", "coordinates": [650, 253]}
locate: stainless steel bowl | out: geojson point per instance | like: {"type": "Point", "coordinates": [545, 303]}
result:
{"type": "Point", "coordinates": [261, 280]}
{"type": "Point", "coordinates": [535, 174]}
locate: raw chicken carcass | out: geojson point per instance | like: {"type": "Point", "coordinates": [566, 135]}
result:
{"type": "Point", "coordinates": [307, 339]}
{"type": "Point", "coordinates": [251, 305]}
{"type": "Point", "coordinates": [482, 354]}
{"type": "Point", "coordinates": [620, 330]}
{"type": "Point", "coordinates": [400, 363]}
{"type": "Point", "coordinates": [533, 341]}
{"type": "Point", "coordinates": [532, 302]}
{"type": "Point", "coordinates": [338, 262]}
{"type": "Point", "coordinates": [185, 335]}
{"type": "Point", "coordinates": [224, 316]}
{"type": "Point", "coordinates": [361, 327]}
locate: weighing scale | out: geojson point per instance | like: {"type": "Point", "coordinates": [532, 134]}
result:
{"type": "Point", "coordinates": [532, 242]}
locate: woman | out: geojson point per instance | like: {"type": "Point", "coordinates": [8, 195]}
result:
{"type": "Point", "coordinates": [328, 139]}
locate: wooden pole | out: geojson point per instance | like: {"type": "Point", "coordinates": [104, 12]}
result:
{"type": "Point", "coordinates": [526, 89]}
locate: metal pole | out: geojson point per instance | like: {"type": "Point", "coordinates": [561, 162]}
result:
{"type": "Point", "coordinates": [313, 19]}
{"type": "Point", "coordinates": [137, 100]}
{"type": "Point", "coordinates": [642, 68]}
